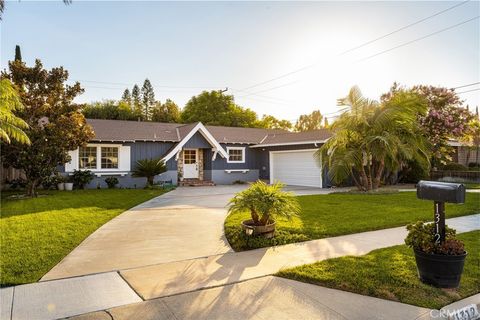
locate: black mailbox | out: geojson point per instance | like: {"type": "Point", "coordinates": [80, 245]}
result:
{"type": "Point", "coordinates": [441, 191]}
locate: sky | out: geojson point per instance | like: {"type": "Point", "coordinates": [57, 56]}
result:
{"type": "Point", "coordinates": [278, 58]}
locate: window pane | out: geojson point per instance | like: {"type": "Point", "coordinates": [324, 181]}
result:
{"type": "Point", "coordinates": [109, 158]}
{"type": "Point", "coordinates": [235, 155]}
{"type": "Point", "coordinates": [189, 156]}
{"type": "Point", "coordinates": [87, 158]}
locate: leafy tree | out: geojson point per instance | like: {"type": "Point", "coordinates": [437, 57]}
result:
{"type": "Point", "coordinates": [371, 138]}
{"type": "Point", "coordinates": [217, 108]}
{"type": "Point", "coordinates": [166, 112]}
{"type": "Point", "coordinates": [148, 99]}
{"type": "Point", "coordinates": [149, 168]}
{"type": "Point", "coordinates": [270, 122]}
{"type": "Point", "coordinates": [127, 97]}
{"type": "Point", "coordinates": [109, 109]}
{"type": "Point", "coordinates": [445, 118]}
{"type": "Point", "coordinates": [472, 139]}
{"type": "Point", "coordinates": [136, 101]}
{"type": "Point", "coordinates": [18, 53]}
{"type": "Point", "coordinates": [11, 126]}
{"type": "Point", "coordinates": [56, 124]}
{"type": "Point", "coordinates": [308, 122]}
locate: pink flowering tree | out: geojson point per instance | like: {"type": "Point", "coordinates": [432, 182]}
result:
{"type": "Point", "coordinates": [446, 119]}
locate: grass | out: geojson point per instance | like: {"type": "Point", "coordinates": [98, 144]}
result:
{"type": "Point", "coordinates": [471, 185]}
{"type": "Point", "coordinates": [36, 233]}
{"type": "Point", "coordinates": [337, 214]}
{"type": "Point", "coordinates": [391, 274]}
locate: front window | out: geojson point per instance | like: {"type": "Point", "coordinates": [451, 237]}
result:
{"type": "Point", "coordinates": [109, 158]}
{"type": "Point", "coordinates": [236, 155]}
{"type": "Point", "coordinates": [87, 157]}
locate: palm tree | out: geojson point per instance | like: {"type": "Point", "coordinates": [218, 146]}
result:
{"type": "Point", "coordinates": [370, 138]}
{"type": "Point", "coordinates": [149, 168]}
{"type": "Point", "coordinates": [10, 125]}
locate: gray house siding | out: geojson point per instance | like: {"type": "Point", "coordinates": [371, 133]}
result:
{"type": "Point", "coordinates": [197, 141]}
{"type": "Point", "coordinates": [150, 150]}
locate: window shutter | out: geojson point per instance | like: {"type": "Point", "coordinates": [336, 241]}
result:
{"type": "Point", "coordinates": [124, 158]}
{"type": "Point", "coordinates": [73, 164]}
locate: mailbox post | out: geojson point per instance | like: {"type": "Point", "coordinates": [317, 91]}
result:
{"type": "Point", "coordinates": [440, 192]}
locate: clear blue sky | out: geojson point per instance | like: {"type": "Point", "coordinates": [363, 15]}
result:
{"type": "Point", "coordinates": [185, 47]}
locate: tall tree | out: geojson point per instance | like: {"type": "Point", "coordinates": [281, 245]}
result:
{"type": "Point", "coordinates": [18, 53]}
{"type": "Point", "coordinates": [371, 138]}
{"type": "Point", "coordinates": [127, 97]}
{"type": "Point", "coordinates": [445, 118]}
{"type": "Point", "coordinates": [308, 122]}
{"type": "Point", "coordinates": [136, 101]}
{"type": "Point", "coordinates": [148, 99]}
{"type": "Point", "coordinates": [11, 126]}
{"type": "Point", "coordinates": [109, 109]}
{"type": "Point", "coordinates": [55, 122]}
{"type": "Point", "coordinates": [217, 108]}
{"type": "Point", "coordinates": [270, 122]}
{"type": "Point", "coordinates": [166, 112]}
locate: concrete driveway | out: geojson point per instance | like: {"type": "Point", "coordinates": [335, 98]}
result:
{"type": "Point", "coordinates": [186, 223]}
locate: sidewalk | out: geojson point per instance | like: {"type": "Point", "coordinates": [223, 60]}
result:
{"type": "Point", "coordinates": [73, 296]}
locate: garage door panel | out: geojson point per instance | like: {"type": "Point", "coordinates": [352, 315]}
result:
{"type": "Point", "coordinates": [298, 168]}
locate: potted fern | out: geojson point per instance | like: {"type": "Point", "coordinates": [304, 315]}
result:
{"type": "Point", "coordinates": [265, 203]}
{"type": "Point", "coordinates": [439, 263]}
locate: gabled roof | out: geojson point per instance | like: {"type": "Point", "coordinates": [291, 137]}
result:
{"type": "Point", "coordinates": [295, 138]}
{"type": "Point", "coordinates": [241, 135]}
{"type": "Point", "coordinates": [198, 127]}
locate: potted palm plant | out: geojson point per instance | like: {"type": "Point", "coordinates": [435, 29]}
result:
{"type": "Point", "coordinates": [149, 168]}
{"type": "Point", "coordinates": [265, 203]}
{"type": "Point", "coordinates": [439, 263]}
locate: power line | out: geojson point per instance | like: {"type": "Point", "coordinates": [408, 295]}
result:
{"type": "Point", "coordinates": [155, 85]}
{"type": "Point", "coordinates": [357, 47]}
{"type": "Point", "coordinates": [418, 39]}
{"type": "Point", "coordinates": [468, 91]}
{"type": "Point", "coordinates": [405, 27]}
{"type": "Point", "coordinates": [466, 85]}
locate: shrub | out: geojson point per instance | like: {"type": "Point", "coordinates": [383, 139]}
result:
{"type": "Point", "coordinates": [453, 166]}
{"type": "Point", "coordinates": [421, 237]}
{"type": "Point", "coordinates": [149, 168]}
{"type": "Point", "coordinates": [265, 202]}
{"type": "Point", "coordinates": [413, 172]}
{"type": "Point", "coordinates": [111, 182]}
{"type": "Point", "coordinates": [474, 165]}
{"type": "Point", "coordinates": [80, 178]}
{"type": "Point", "coordinates": [239, 182]}
{"type": "Point", "coordinates": [52, 181]}
{"type": "Point", "coordinates": [18, 183]}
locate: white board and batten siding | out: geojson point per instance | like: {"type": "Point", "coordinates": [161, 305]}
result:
{"type": "Point", "coordinates": [123, 159]}
{"type": "Point", "coordinates": [296, 168]}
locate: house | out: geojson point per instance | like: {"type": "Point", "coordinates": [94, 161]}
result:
{"type": "Point", "coordinates": [194, 152]}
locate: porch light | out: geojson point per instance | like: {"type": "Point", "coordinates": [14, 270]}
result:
{"type": "Point", "coordinates": [248, 230]}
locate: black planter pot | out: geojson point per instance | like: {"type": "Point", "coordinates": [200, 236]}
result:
{"type": "Point", "coordinates": [439, 270]}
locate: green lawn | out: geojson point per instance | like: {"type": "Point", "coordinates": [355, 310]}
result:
{"type": "Point", "coordinates": [37, 233]}
{"type": "Point", "coordinates": [391, 274]}
{"type": "Point", "coordinates": [471, 185]}
{"type": "Point", "coordinates": [336, 214]}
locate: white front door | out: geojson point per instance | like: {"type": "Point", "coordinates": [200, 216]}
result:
{"type": "Point", "coordinates": [190, 164]}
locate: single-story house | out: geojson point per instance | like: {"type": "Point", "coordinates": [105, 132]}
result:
{"type": "Point", "coordinates": [194, 152]}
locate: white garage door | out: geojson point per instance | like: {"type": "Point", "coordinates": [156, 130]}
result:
{"type": "Point", "coordinates": [296, 168]}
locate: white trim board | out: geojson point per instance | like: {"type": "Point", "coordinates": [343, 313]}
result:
{"type": "Point", "coordinates": [288, 143]}
{"type": "Point", "coordinates": [207, 135]}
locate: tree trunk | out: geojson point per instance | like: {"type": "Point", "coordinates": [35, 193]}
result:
{"type": "Point", "coordinates": [150, 181]}
{"type": "Point", "coordinates": [254, 215]}
{"type": "Point", "coordinates": [363, 179]}
{"type": "Point", "coordinates": [32, 187]}
{"type": "Point", "coordinates": [378, 177]}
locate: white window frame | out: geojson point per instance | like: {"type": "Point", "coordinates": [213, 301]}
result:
{"type": "Point", "coordinates": [99, 157]}
{"type": "Point", "coordinates": [236, 148]}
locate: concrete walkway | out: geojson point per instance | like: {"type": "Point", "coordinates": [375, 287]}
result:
{"type": "Point", "coordinates": [186, 223]}
{"type": "Point", "coordinates": [174, 280]}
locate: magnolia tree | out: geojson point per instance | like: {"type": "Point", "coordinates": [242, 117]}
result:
{"type": "Point", "coordinates": [445, 119]}
{"type": "Point", "coordinates": [55, 124]}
